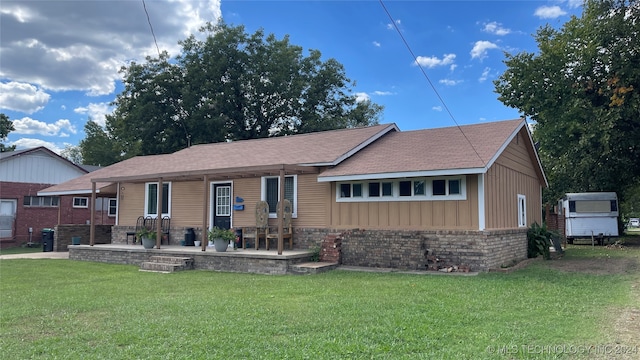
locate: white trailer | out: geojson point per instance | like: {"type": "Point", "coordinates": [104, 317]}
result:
{"type": "Point", "coordinates": [592, 215]}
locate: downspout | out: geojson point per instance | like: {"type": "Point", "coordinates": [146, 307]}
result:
{"type": "Point", "coordinates": [159, 216]}
{"type": "Point", "coordinates": [205, 208]}
{"type": "Point", "coordinates": [280, 213]}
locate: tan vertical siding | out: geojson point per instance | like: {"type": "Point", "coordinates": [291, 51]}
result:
{"type": "Point", "coordinates": [513, 173]}
{"type": "Point", "coordinates": [186, 203]}
{"type": "Point", "coordinates": [450, 214]}
{"type": "Point", "coordinates": [249, 190]}
{"type": "Point", "coordinates": [131, 203]}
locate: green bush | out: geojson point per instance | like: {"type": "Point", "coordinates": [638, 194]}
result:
{"type": "Point", "coordinates": [539, 240]}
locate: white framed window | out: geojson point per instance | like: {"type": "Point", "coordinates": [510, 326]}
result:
{"type": "Point", "coordinates": [113, 207]}
{"type": "Point", "coordinates": [522, 210]}
{"type": "Point", "coordinates": [416, 189]}
{"type": "Point", "coordinates": [270, 192]}
{"type": "Point", "coordinates": [41, 201]}
{"type": "Point", "coordinates": [151, 199]}
{"type": "Point", "coordinates": [223, 201]}
{"type": "Point", "coordinates": [80, 202]}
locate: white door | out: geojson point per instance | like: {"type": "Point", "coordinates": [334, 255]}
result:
{"type": "Point", "coordinates": [7, 217]}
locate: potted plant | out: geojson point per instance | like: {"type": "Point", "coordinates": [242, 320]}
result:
{"type": "Point", "coordinates": [221, 238]}
{"type": "Point", "coordinates": [148, 237]}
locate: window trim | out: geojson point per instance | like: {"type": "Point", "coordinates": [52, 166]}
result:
{"type": "Point", "coordinates": [115, 207]}
{"type": "Point", "coordinates": [146, 200]}
{"type": "Point", "coordinates": [395, 183]}
{"type": "Point", "coordinates": [80, 206]}
{"type": "Point", "coordinates": [263, 193]}
{"type": "Point", "coordinates": [522, 211]}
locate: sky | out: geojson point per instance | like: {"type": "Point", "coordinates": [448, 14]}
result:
{"type": "Point", "coordinates": [60, 60]}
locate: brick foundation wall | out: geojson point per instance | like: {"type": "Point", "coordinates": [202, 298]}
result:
{"type": "Point", "coordinates": [63, 233]}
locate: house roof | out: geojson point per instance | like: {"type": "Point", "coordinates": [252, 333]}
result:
{"type": "Point", "coordinates": [296, 153]}
{"type": "Point", "coordinates": [454, 150]}
{"type": "Point", "coordinates": [4, 156]}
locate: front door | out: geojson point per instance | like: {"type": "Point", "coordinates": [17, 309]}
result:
{"type": "Point", "coordinates": [7, 217]}
{"type": "Point", "coordinates": [222, 205]}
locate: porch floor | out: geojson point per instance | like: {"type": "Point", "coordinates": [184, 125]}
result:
{"type": "Point", "coordinates": [240, 260]}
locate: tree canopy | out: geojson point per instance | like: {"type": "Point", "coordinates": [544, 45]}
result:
{"type": "Point", "coordinates": [581, 89]}
{"type": "Point", "coordinates": [229, 86]}
{"type": "Point", "coordinates": [6, 126]}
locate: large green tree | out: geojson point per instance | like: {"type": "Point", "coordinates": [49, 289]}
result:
{"type": "Point", "coordinates": [232, 86]}
{"type": "Point", "coordinates": [99, 147]}
{"type": "Point", "coordinates": [581, 88]}
{"type": "Point", "coordinates": [6, 126]}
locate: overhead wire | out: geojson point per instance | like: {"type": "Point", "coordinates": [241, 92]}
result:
{"type": "Point", "coordinates": [424, 73]}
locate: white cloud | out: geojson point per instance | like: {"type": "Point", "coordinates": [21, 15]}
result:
{"type": "Point", "coordinates": [480, 49]}
{"type": "Point", "coordinates": [382, 93]}
{"type": "Point", "coordinates": [437, 108]}
{"type": "Point", "coordinates": [22, 97]}
{"type": "Point", "coordinates": [433, 61]}
{"type": "Point", "coordinates": [376, 44]}
{"type": "Point", "coordinates": [549, 12]}
{"type": "Point", "coordinates": [575, 3]}
{"type": "Point", "coordinates": [81, 45]}
{"type": "Point", "coordinates": [449, 82]}
{"type": "Point", "coordinates": [485, 74]}
{"type": "Point", "coordinates": [26, 143]}
{"type": "Point", "coordinates": [362, 96]}
{"type": "Point", "coordinates": [391, 26]}
{"type": "Point", "coordinates": [30, 126]}
{"type": "Point", "coordinates": [96, 112]}
{"type": "Point", "coordinates": [496, 28]}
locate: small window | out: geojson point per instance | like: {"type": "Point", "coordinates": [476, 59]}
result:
{"type": "Point", "coordinates": [113, 207]}
{"type": "Point", "coordinates": [387, 189]}
{"type": "Point", "coordinates": [572, 206]}
{"type": "Point", "coordinates": [151, 200]}
{"type": "Point", "coordinates": [80, 202]}
{"type": "Point", "coordinates": [454, 187]}
{"type": "Point", "coordinates": [345, 190]}
{"type": "Point", "coordinates": [439, 187]}
{"type": "Point", "coordinates": [418, 187]}
{"type": "Point", "coordinates": [614, 206]}
{"type": "Point", "coordinates": [405, 188]}
{"type": "Point", "coordinates": [357, 190]}
{"type": "Point", "coordinates": [271, 192]}
{"type": "Point", "coordinates": [374, 189]}
{"type": "Point", "coordinates": [522, 211]}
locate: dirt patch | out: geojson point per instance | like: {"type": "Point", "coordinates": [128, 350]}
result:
{"type": "Point", "coordinates": [596, 266]}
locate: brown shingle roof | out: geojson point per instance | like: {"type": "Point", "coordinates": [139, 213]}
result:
{"type": "Point", "coordinates": [320, 148]}
{"type": "Point", "coordinates": [446, 149]}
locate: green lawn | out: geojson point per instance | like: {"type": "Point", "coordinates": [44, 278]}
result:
{"type": "Point", "coordinates": [80, 310]}
{"type": "Point", "coordinates": [21, 250]}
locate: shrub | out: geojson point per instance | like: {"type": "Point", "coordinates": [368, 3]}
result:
{"type": "Point", "coordinates": [539, 240]}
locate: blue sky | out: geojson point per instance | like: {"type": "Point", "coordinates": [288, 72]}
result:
{"type": "Point", "coordinates": [59, 60]}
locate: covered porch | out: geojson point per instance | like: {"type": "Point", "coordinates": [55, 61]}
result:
{"type": "Point", "coordinates": [240, 260]}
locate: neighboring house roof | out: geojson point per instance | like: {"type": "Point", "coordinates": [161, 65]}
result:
{"type": "Point", "coordinates": [466, 149]}
{"type": "Point", "coordinates": [37, 165]}
{"type": "Point", "coordinates": [302, 151]}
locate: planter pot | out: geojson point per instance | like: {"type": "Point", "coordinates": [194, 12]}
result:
{"type": "Point", "coordinates": [197, 243]}
{"type": "Point", "coordinates": [148, 243]}
{"type": "Point", "coordinates": [220, 245]}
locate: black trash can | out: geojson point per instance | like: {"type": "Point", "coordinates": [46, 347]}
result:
{"type": "Point", "coordinates": [189, 237]}
{"type": "Point", "coordinates": [47, 240]}
{"type": "Point", "coordinates": [238, 238]}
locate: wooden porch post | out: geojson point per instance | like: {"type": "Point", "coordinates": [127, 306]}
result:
{"type": "Point", "coordinates": [159, 218]}
{"type": "Point", "coordinates": [281, 213]}
{"type": "Point", "coordinates": [92, 226]}
{"type": "Point", "coordinates": [205, 208]}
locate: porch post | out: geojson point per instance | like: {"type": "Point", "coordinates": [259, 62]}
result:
{"type": "Point", "coordinates": [205, 208]}
{"type": "Point", "coordinates": [281, 213]}
{"type": "Point", "coordinates": [92, 227]}
{"type": "Point", "coordinates": [159, 217]}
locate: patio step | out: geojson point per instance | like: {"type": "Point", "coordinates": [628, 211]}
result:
{"type": "Point", "coordinates": [312, 267]}
{"type": "Point", "coordinates": [167, 264]}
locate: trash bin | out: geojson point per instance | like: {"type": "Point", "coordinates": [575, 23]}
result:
{"type": "Point", "coordinates": [189, 237]}
{"type": "Point", "coordinates": [47, 240]}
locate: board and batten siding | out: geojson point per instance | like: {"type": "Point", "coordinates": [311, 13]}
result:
{"type": "Point", "coordinates": [512, 173]}
{"type": "Point", "coordinates": [409, 215]}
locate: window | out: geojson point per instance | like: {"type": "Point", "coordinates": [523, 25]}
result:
{"type": "Point", "coordinates": [377, 189]}
{"type": "Point", "coordinates": [522, 211]}
{"type": "Point", "coordinates": [454, 187]}
{"type": "Point", "coordinates": [151, 199]}
{"type": "Point", "coordinates": [404, 188]}
{"type": "Point", "coordinates": [41, 201]}
{"type": "Point", "coordinates": [387, 189]}
{"type": "Point", "coordinates": [80, 202]}
{"type": "Point", "coordinates": [442, 187]}
{"type": "Point", "coordinates": [351, 190]}
{"type": "Point", "coordinates": [113, 207]}
{"type": "Point", "coordinates": [271, 192]}
{"type": "Point", "coordinates": [416, 189]}
{"type": "Point", "coordinates": [439, 187]}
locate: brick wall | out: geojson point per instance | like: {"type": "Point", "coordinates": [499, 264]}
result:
{"type": "Point", "coordinates": [554, 221]}
{"type": "Point", "coordinates": [38, 218]}
{"type": "Point", "coordinates": [63, 233]}
{"type": "Point", "coordinates": [176, 234]}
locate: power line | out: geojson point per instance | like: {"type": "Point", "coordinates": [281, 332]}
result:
{"type": "Point", "coordinates": [151, 26]}
{"type": "Point", "coordinates": [415, 58]}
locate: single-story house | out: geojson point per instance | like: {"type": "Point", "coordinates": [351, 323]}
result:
{"type": "Point", "coordinates": [461, 195]}
{"type": "Point", "coordinates": [24, 213]}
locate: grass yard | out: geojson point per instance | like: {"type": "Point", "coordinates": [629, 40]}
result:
{"type": "Point", "coordinates": [20, 250]}
{"type": "Point", "coordinates": [80, 310]}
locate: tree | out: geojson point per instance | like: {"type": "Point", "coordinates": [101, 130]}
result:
{"type": "Point", "coordinates": [72, 153]}
{"type": "Point", "coordinates": [231, 86]}
{"type": "Point", "coordinates": [6, 126]}
{"type": "Point", "coordinates": [99, 147]}
{"type": "Point", "coordinates": [582, 90]}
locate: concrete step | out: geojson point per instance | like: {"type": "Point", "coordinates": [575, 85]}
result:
{"type": "Point", "coordinates": [167, 264]}
{"type": "Point", "coordinates": [312, 267]}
